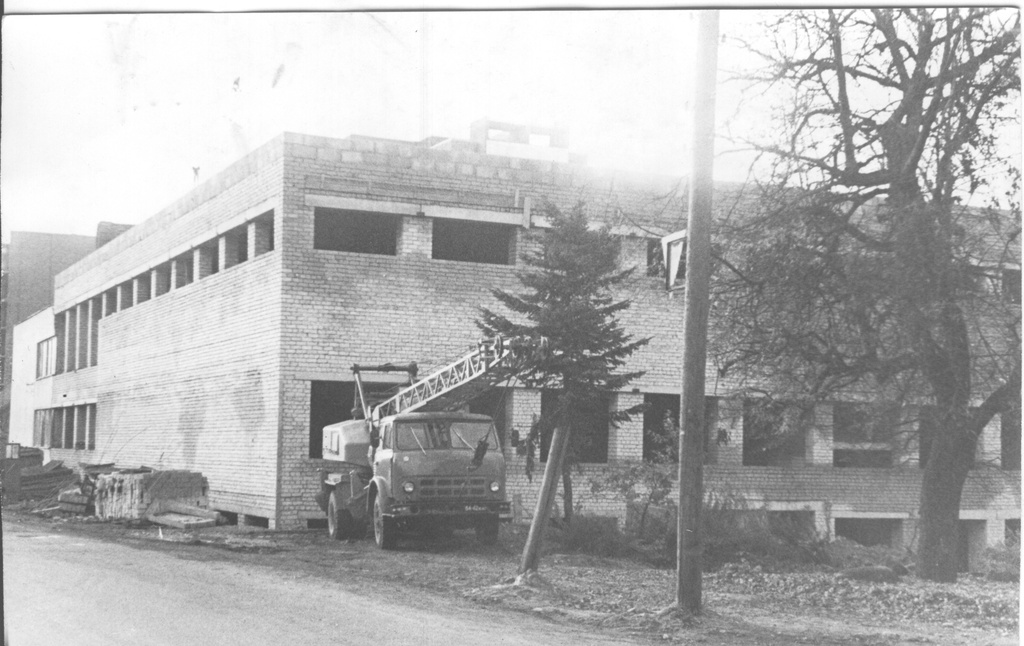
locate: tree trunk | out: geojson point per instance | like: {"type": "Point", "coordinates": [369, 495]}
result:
{"type": "Point", "coordinates": [945, 473]}
{"type": "Point", "coordinates": [567, 506]}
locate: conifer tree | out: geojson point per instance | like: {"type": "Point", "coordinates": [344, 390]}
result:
{"type": "Point", "coordinates": [568, 299]}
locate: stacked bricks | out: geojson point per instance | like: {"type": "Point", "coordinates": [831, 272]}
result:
{"type": "Point", "coordinates": [129, 495]}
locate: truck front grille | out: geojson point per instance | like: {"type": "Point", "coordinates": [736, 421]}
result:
{"type": "Point", "coordinates": [453, 487]}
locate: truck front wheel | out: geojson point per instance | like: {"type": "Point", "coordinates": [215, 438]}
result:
{"type": "Point", "coordinates": [340, 524]}
{"type": "Point", "coordinates": [487, 530]}
{"type": "Point", "coordinates": [383, 527]}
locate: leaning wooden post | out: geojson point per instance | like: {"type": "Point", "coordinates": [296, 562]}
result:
{"type": "Point", "coordinates": [531, 551]}
{"type": "Point", "coordinates": [695, 321]}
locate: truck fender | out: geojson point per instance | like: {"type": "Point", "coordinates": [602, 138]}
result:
{"type": "Point", "coordinates": [377, 485]}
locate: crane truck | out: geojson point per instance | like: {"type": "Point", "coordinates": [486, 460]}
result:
{"type": "Point", "coordinates": [414, 461]}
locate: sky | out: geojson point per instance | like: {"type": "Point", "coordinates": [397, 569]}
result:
{"type": "Point", "coordinates": [104, 117]}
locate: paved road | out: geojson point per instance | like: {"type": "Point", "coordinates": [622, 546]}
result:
{"type": "Point", "coordinates": [79, 591]}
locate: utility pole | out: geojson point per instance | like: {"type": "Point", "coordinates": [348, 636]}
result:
{"type": "Point", "coordinates": [695, 320]}
{"type": "Point", "coordinates": [546, 497]}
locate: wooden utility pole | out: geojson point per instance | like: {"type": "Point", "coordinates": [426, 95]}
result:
{"type": "Point", "coordinates": [695, 320]}
{"type": "Point", "coordinates": [556, 453]}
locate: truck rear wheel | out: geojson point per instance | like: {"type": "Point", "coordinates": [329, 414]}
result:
{"type": "Point", "coordinates": [340, 524]}
{"type": "Point", "coordinates": [383, 527]}
{"type": "Point", "coordinates": [487, 530]}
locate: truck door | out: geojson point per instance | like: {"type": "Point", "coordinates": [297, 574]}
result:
{"type": "Point", "coordinates": [383, 460]}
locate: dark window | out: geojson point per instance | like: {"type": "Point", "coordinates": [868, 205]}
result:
{"type": "Point", "coordinates": [91, 427]}
{"type": "Point", "coordinates": [59, 325]}
{"type": "Point", "coordinates": [333, 401]}
{"type": "Point", "coordinates": [95, 314]}
{"type": "Point", "coordinates": [859, 423]}
{"type": "Point", "coordinates": [869, 531]}
{"type": "Point", "coordinates": [183, 270]}
{"type": "Point", "coordinates": [236, 246]}
{"type": "Point", "coordinates": [590, 445]}
{"type": "Point", "coordinates": [57, 429]}
{"type": "Point", "coordinates": [69, 428]}
{"type": "Point", "coordinates": [1011, 285]}
{"type": "Point", "coordinates": [1010, 439]}
{"type": "Point", "coordinates": [773, 433]}
{"type": "Point", "coordinates": [355, 231]}
{"type": "Point", "coordinates": [144, 283]}
{"type": "Point", "coordinates": [661, 428]}
{"type": "Point", "coordinates": [655, 258]}
{"type": "Point", "coordinates": [162, 279]}
{"type": "Point", "coordinates": [470, 241]}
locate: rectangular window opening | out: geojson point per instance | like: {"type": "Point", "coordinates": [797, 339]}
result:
{"type": "Point", "coordinates": [331, 402]}
{"type": "Point", "coordinates": [95, 312]}
{"type": "Point", "coordinates": [492, 403]}
{"type": "Point", "coordinates": [183, 270]}
{"type": "Point", "coordinates": [142, 287]}
{"type": "Point", "coordinates": [69, 428]}
{"type": "Point", "coordinates": [264, 234]}
{"type": "Point", "coordinates": [42, 427]}
{"type": "Point", "coordinates": [162, 279]}
{"type": "Point", "coordinates": [655, 258]}
{"type": "Point", "coordinates": [661, 428]}
{"type": "Point", "coordinates": [469, 241]}
{"type": "Point", "coordinates": [56, 430]}
{"type": "Point", "coordinates": [90, 440]}
{"type": "Point", "coordinates": [81, 426]}
{"type": "Point", "coordinates": [84, 334]}
{"type": "Point", "coordinates": [590, 446]}
{"type": "Point", "coordinates": [870, 531]}
{"type": "Point", "coordinates": [46, 358]}
{"type": "Point", "coordinates": [71, 328]}
{"type": "Point", "coordinates": [59, 323]}
{"type": "Point", "coordinates": [863, 434]}
{"type": "Point", "coordinates": [127, 294]}
{"type": "Point", "coordinates": [773, 433]}
{"type": "Point", "coordinates": [355, 231]}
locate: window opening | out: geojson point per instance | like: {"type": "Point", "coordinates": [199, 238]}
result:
{"type": "Point", "coordinates": [142, 283]}
{"type": "Point", "coordinates": [355, 231]}
{"type": "Point", "coordinates": [590, 447]}
{"type": "Point", "coordinates": [46, 358]}
{"type": "Point", "coordinates": [470, 241]}
{"type": "Point", "coordinates": [333, 401]}
{"type": "Point", "coordinates": [863, 434]}
{"type": "Point", "coordinates": [773, 433]}
{"type": "Point", "coordinates": [95, 314]}
{"type": "Point", "coordinates": [870, 531]}
{"type": "Point", "coordinates": [162, 279]}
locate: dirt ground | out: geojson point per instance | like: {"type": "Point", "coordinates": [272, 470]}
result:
{"type": "Point", "coordinates": [620, 598]}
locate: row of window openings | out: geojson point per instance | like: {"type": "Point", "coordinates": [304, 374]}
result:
{"type": "Point", "coordinates": [460, 240]}
{"type": "Point", "coordinates": [69, 427]}
{"type": "Point", "coordinates": [75, 345]}
{"type": "Point", "coordinates": [774, 433]}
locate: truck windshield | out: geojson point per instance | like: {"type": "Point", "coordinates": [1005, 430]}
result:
{"type": "Point", "coordinates": [443, 434]}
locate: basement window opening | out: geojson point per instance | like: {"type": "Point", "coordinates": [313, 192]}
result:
{"type": "Point", "coordinates": [471, 241]}
{"type": "Point", "coordinates": [870, 532]}
{"type": "Point", "coordinates": [355, 231]}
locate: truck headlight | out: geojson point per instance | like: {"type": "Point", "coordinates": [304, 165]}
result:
{"type": "Point", "coordinates": [408, 486]}
{"type": "Point", "coordinates": [495, 487]}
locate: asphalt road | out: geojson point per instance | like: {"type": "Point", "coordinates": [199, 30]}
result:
{"type": "Point", "coordinates": [80, 591]}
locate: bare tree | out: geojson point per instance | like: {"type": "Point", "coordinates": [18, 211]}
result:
{"type": "Point", "coordinates": [864, 266]}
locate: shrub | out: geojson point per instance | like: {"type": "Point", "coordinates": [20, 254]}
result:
{"type": "Point", "coordinates": [1002, 562]}
{"type": "Point", "coordinates": [594, 535]}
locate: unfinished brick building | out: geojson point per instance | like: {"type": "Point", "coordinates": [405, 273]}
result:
{"type": "Point", "coordinates": [218, 335]}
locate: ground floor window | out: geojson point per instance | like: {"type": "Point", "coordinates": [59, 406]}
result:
{"type": "Point", "coordinates": [67, 427]}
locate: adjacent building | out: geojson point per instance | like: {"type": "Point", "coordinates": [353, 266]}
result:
{"type": "Point", "coordinates": [218, 335]}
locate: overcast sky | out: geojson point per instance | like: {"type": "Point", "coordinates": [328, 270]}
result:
{"type": "Point", "coordinates": [105, 116]}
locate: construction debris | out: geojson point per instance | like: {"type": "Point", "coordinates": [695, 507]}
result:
{"type": "Point", "coordinates": [128, 494]}
{"type": "Point", "coordinates": [46, 481]}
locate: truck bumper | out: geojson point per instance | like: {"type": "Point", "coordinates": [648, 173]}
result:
{"type": "Point", "coordinates": [467, 510]}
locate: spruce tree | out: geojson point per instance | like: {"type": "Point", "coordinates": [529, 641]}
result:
{"type": "Point", "coordinates": [568, 298]}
